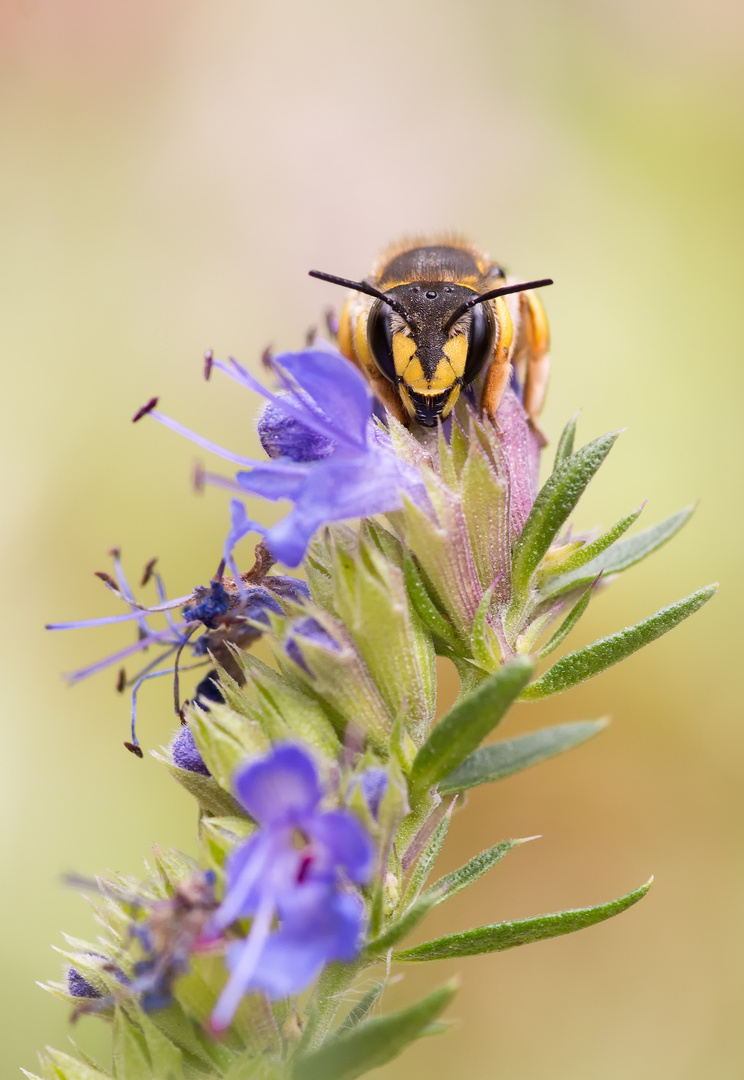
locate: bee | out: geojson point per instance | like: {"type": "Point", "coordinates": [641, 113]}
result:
{"type": "Point", "coordinates": [435, 315]}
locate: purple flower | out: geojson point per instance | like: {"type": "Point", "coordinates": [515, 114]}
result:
{"type": "Point", "coordinates": [374, 784]}
{"type": "Point", "coordinates": [298, 867]}
{"type": "Point", "coordinates": [228, 610]}
{"type": "Point", "coordinates": [329, 457]}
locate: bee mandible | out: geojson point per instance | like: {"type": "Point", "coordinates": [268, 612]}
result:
{"type": "Point", "coordinates": [435, 315]}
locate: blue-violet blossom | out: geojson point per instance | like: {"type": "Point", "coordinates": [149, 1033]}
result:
{"type": "Point", "coordinates": [298, 867]}
{"type": "Point", "coordinates": [329, 457]}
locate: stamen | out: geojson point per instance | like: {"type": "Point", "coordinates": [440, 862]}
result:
{"type": "Point", "coordinates": [208, 360]}
{"type": "Point", "coordinates": [160, 589]}
{"type": "Point", "coordinates": [161, 637]}
{"type": "Point", "coordinates": [310, 418]}
{"type": "Point", "coordinates": [176, 682]}
{"type": "Point", "coordinates": [125, 589]}
{"type": "Point", "coordinates": [152, 664]}
{"type": "Point", "coordinates": [145, 409]}
{"type": "Point", "coordinates": [103, 620]}
{"type": "Point", "coordinates": [206, 444]}
{"type": "Point", "coordinates": [109, 581]}
{"type": "Point", "coordinates": [134, 746]}
{"type": "Point", "coordinates": [147, 573]}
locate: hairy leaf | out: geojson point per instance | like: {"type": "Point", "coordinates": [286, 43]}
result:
{"type": "Point", "coordinates": [373, 1043]}
{"type": "Point", "coordinates": [502, 759]}
{"type": "Point", "coordinates": [592, 550]}
{"type": "Point", "coordinates": [508, 935]}
{"type": "Point", "coordinates": [567, 625]}
{"type": "Point", "coordinates": [583, 664]}
{"type": "Point", "coordinates": [361, 1010]}
{"type": "Point", "coordinates": [405, 924]}
{"type": "Point", "coordinates": [475, 868]}
{"type": "Point", "coordinates": [555, 501]}
{"type": "Point", "coordinates": [66, 1067]}
{"type": "Point", "coordinates": [467, 723]}
{"type": "Point", "coordinates": [427, 858]}
{"type": "Point", "coordinates": [621, 555]}
{"type": "Point", "coordinates": [565, 446]}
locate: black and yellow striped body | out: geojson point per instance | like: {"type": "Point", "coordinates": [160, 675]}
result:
{"type": "Point", "coordinates": [418, 365]}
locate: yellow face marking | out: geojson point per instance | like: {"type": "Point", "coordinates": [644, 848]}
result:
{"type": "Point", "coordinates": [405, 398]}
{"type": "Point", "coordinates": [451, 402]}
{"type": "Point", "coordinates": [442, 379]}
{"type": "Point", "coordinates": [456, 351]}
{"type": "Point", "coordinates": [404, 348]}
{"type": "Point", "coordinates": [450, 367]}
{"type": "Point", "coordinates": [414, 377]}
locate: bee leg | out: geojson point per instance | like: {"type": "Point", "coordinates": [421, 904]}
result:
{"type": "Point", "coordinates": [497, 380]}
{"type": "Point", "coordinates": [538, 360]}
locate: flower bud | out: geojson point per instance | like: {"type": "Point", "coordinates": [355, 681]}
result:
{"type": "Point", "coordinates": [184, 753]}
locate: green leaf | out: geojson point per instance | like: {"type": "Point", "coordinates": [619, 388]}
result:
{"type": "Point", "coordinates": [500, 936]}
{"type": "Point", "coordinates": [588, 552]}
{"type": "Point", "coordinates": [484, 506]}
{"type": "Point", "coordinates": [576, 667]}
{"type": "Point", "coordinates": [467, 723]}
{"type": "Point", "coordinates": [427, 858]}
{"type": "Point", "coordinates": [424, 606]}
{"type": "Point", "coordinates": [482, 638]}
{"type": "Point", "coordinates": [475, 868]}
{"type": "Point", "coordinates": [69, 1068]}
{"type": "Point", "coordinates": [165, 1057]}
{"type": "Point", "coordinates": [567, 625]}
{"type": "Point", "coordinates": [361, 1010]}
{"type": "Point", "coordinates": [510, 756]}
{"type": "Point", "coordinates": [373, 1043]}
{"type": "Point", "coordinates": [555, 501]}
{"type": "Point", "coordinates": [399, 929]}
{"type": "Point", "coordinates": [128, 1050]}
{"type": "Point", "coordinates": [212, 798]}
{"type": "Point", "coordinates": [621, 555]}
{"type": "Point", "coordinates": [565, 446]}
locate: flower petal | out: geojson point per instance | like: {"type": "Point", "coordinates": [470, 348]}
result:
{"type": "Point", "coordinates": [274, 480]}
{"type": "Point", "coordinates": [341, 842]}
{"type": "Point", "coordinates": [326, 926]}
{"type": "Point", "coordinates": [335, 385]}
{"type": "Point", "coordinates": [281, 788]}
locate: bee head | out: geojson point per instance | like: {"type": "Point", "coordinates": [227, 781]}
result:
{"type": "Point", "coordinates": [430, 338]}
{"type": "Point", "coordinates": [423, 352]}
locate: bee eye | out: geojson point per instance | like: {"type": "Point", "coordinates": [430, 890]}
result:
{"type": "Point", "coordinates": [380, 338]}
{"type": "Point", "coordinates": [481, 341]}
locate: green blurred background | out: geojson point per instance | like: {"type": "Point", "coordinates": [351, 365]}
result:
{"type": "Point", "coordinates": [169, 171]}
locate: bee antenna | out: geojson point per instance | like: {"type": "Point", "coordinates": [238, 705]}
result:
{"type": "Point", "coordinates": [362, 287]}
{"type": "Point", "coordinates": [503, 291]}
